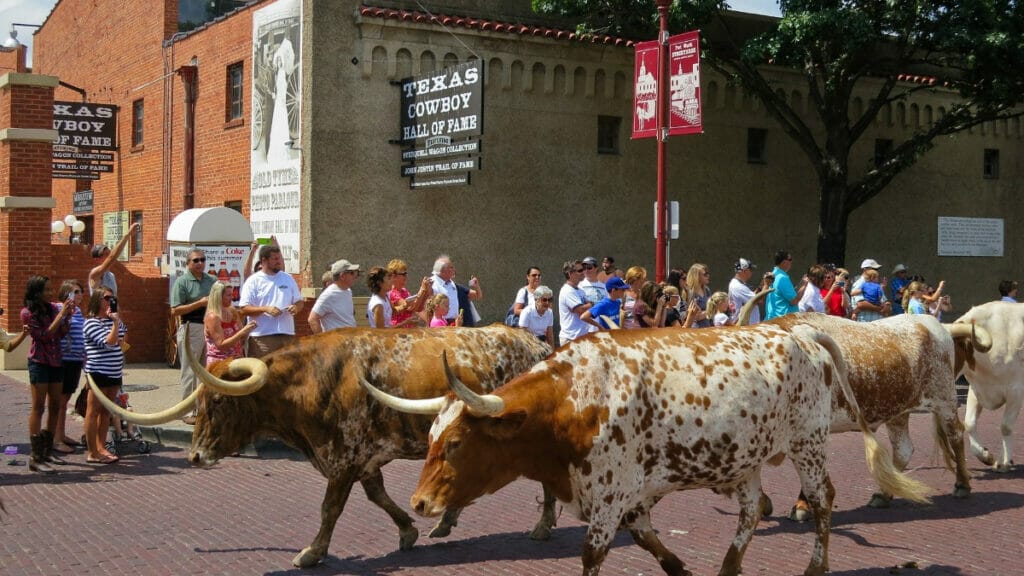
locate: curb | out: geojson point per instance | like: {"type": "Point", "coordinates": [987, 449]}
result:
{"type": "Point", "coordinates": [180, 436]}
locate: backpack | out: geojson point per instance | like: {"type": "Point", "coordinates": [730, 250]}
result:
{"type": "Point", "coordinates": [511, 318]}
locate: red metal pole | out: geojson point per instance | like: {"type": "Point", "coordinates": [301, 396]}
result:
{"type": "Point", "coordinates": [660, 271]}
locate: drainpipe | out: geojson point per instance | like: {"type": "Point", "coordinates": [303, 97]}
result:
{"type": "Point", "coordinates": [190, 77]}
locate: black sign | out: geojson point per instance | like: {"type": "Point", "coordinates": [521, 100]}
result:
{"type": "Point", "coordinates": [449, 180]}
{"type": "Point", "coordinates": [92, 156]}
{"type": "Point", "coordinates": [448, 102]}
{"type": "Point", "coordinates": [85, 125]}
{"type": "Point", "coordinates": [83, 202]}
{"type": "Point", "coordinates": [440, 146]}
{"type": "Point", "coordinates": [66, 166]}
{"type": "Point", "coordinates": [76, 175]}
{"type": "Point", "coordinates": [442, 167]}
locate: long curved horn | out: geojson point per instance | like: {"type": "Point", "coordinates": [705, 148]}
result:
{"type": "Point", "coordinates": [410, 406]}
{"type": "Point", "coordinates": [744, 318]}
{"type": "Point", "coordinates": [172, 413]}
{"type": "Point", "coordinates": [486, 405]}
{"type": "Point", "coordinates": [254, 367]}
{"type": "Point", "coordinates": [980, 337]}
{"type": "Point", "coordinates": [612, 324]}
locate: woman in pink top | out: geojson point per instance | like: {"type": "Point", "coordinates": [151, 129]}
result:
{"type": "Point", "coordinates": [224, 336]}
{"type": "Point", "coordinates": [403, 305]}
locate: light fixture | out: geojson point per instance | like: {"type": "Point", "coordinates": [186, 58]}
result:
{"type": "Point", "coordinates": [57, 227]}
{"type": "Point", "coordinates": [12, 43]}
{"type": "Point", "coordinates": [72, 225]}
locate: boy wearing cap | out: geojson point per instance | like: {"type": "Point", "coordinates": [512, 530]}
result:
{"type": "Point", "coordinates": [334, 308]}
{"type": "Point", "coordinates": [610, 305]}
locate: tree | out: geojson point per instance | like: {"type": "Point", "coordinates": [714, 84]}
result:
{"type": "Point", "coordinates": [974, 49]}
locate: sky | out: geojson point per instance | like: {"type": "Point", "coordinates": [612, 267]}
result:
{"type": "Point", "coordinates": [35, 11]}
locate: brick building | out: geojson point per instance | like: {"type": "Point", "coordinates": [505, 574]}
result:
{"type": "Point", "coordinates": [560, 177]}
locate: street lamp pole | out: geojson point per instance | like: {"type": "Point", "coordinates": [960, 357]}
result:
{"type": "Point", "coordinates": [662, 130]}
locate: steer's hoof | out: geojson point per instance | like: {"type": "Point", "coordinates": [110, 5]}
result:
{"type": "Point", "coordinates": [307, 558]}
{"type": "Point", "coordinates": [961, 492]}
{"type": "Point", "coordinates": [541, 532]}
{"type": "Point", "coordinates": [879, 500]}
{"type": "Point", "coordinates": [986, 458]}
{"type": "Point", "coordinates": [799, 514]}
{"type": "Point", "coordinates": [441, 530]}
{"type": "Point", "coordinates": [1004, 468]}
{"type": "Point", "coordinates": [407, 537]}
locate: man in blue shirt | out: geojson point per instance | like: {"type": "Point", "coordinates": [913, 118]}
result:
{"type": "Point", "coordinates": [608, 306]}
{"type": "Point", "coordinates": [899, 282]}
{"type": "Point", "coordinates": [784, 298]}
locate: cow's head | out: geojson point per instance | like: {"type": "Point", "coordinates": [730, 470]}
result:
{"type": "Point", "coordinates": [224, 425]}
{"type": "Point", "coordinates": [466, 457]}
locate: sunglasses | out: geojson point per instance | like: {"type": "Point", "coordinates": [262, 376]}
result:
{"type": "Point", "coordinates": [108, 298]}
{"type": "Point", "coordinates": [545, 300]}
{"type": "Point", "coordinates": [578, 270]}
{"type": "Point", "coordinates": [76, 291]}
{"type": "Point", "coordinates": [588, 266]}
{"type": "Point", "coordinates": [198, 260]}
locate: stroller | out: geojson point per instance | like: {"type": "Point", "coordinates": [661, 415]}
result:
{"type": "Point", "coordinates": [124, 435]}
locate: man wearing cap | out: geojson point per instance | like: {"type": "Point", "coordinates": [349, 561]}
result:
{"type": "Point", "coordinates": [188, 301]}
{"type": "Point", "coordinates": [609, 306]}
{"type": "Point", "coordinates": [333, 308]}
{"type": "Point", "coordinates": [740, 293]}
{"type": "Point", "coordinates": [866, 311]}
{"type": "Point", "coordinates": [572, 303]}
{"type": "Point", "coordinates": [591, 286]}
{"type": "Point", "coordinates": [271, 298]}
{"type": "Point", "coordinates": [898, 283]}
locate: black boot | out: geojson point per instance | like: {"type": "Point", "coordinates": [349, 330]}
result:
{"type": "Point", "coordinates": [48, 454]}
{"type": "Point", "coordinates": [36, 462]}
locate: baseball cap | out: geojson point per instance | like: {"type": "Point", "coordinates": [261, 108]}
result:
{"type": "Point", "coordinates": [590, 260]}
{"type": "Point", "coordinates": [744, 264]}
{"type": "Point", "coordinates": [869, 263]}
{"type": "Point", "coordinates": [342, 266]}
{"type": "Point", "coordinates": [899, 268]}
{"type": "Point", "coordinates": [98, 250]}
{"type": "Point", "coordinates": [615, 283]}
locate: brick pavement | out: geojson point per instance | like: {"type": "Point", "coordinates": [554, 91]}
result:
{"type": "Point", "coordinates": [153, 514]}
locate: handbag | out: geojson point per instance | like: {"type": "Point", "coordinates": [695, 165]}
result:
{"type": "Point", "coordinates": [511, 318]}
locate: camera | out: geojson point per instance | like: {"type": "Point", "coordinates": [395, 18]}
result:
{"type": "Point", "coordinates": [769, 276]}
{"type": "Point", "coordinates": [113, 304]}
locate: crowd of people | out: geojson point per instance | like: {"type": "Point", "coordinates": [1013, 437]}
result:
{"type": "Point", "coordinates": [68, 340]}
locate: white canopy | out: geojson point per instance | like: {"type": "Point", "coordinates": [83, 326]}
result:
{"type": "Point", "coordinates": [218, 225]}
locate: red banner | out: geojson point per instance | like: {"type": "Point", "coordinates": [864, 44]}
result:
{"type": "Point", "coordinates": [645, 90]}
{"type": "Point", "coordinates": [684, 84]}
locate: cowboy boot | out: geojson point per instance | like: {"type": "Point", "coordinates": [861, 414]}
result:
{"type": "Point", "coordinates": [36, 463]}
{"type": "Point", "coordinates": [48, 454]}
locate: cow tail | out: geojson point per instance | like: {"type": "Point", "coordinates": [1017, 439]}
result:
{"type": "Point", "coordinates": [943, 443]}
{"type": "Point", "coordinates": [889, 479]}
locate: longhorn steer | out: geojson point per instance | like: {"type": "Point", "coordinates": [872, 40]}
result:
{"type": "Point", "coordinates": [996, 376]}
{"type": "Point", "coordinates": [613, 422]}
{"type": "Point", "coordinates": [308, 395]}
{"type": "Point", "coordinates": [896, 365]}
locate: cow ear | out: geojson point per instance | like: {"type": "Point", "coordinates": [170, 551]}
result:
{"type": "Point", "coordinates": [507, 425]}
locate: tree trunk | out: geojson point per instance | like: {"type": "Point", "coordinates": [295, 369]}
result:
{"type": "Point", "coordinates": [832, 223]}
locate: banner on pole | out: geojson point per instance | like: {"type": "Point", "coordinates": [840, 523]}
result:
{"type": "Point", "coordinates": [645, 90]}
{"type": "Point", "coordinates": [684, 84]}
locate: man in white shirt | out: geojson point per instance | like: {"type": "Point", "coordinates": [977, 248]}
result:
{"type": "Point", "coordinates": [740, 293]}
{"type": "Point", "coordinates": [444, 283]}
{"type": "Point", "coordinates": [271, 298]}
{"type": "Point", "coordinates": [334, 309]}
{"type": "Point", "coordinates": [591, 286]}
{"type": "Point", "coordinates": [572, 303]}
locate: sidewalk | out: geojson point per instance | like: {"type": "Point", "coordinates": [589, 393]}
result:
{"type": "Point", "coordinates": [155, 387]}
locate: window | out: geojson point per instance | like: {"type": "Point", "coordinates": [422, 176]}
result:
{"type": "Point", "coordinates": [137, 110]}
{"type": "Point", "coordinates": [883, 147]}
{"type": "Point", "coordinates": [235, 205]}
{"type": "Point", "coordinates": [233, 108]}
{"type": "Point", "coordinates": [608, 134]}
{"type": "Point", "coordinates": [136, 241]}
{"type": "Point", "coordinates": [990, 170]}
{"type": "Point", "coordinates": [756, 140]}
{"type": "Point", "coordinates": [86, 237]}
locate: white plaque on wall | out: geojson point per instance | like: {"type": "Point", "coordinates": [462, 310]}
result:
{"type": "Point", "coordinates": [970, 236]}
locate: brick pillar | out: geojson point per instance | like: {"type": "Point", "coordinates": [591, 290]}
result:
{"type": "Point", "coordinates": [26, 202]}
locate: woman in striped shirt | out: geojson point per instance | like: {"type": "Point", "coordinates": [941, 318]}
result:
{"type": "Point", "coordinates": [72, 359]}
{"type": "Point", "coordinates": [104, 333]}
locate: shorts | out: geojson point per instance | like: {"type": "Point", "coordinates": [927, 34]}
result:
{"type": "Point", "coordinates": [105, 381]}
{"type": "Point", "coordinates": [72, 375]}
{"type": "Point", "coordinates": [43, 374]}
